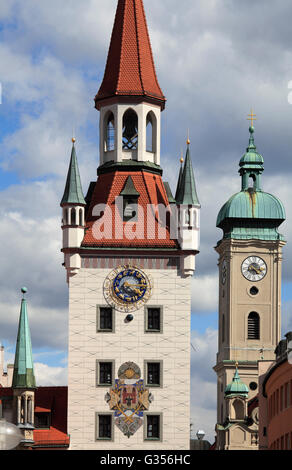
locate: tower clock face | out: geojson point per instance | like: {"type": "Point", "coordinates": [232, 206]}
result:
{"type": "Point", "coordinates": [254, 268]}
{"type": "Point", "coordinates": [127, 288]}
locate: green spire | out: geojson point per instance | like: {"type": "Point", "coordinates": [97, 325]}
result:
{"type": "Point", "coordinates": [187, 193]}
{"type": "Point", "coordinates": [23, 373]}
{"type": "Point", "coordinates": [73, 193]}
{"type": "Point", "coordinates": [179, 181]}
{"type": "Point", "coordinates": [237, 387]}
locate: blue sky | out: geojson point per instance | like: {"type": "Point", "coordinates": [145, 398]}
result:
{"type": "Point", "coordinates": [215, 59]}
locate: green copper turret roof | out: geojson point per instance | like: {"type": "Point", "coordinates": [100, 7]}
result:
{"type": "Point", "coordinates": [73, 193]}
{"type": "Point", "coordinates": [179, 181]}
{"type": "Point", "coordinates": [251, 213]}
{"type": "Point", "coordinates": [23, 373]}
{"type": "Point", "coordinates": [186, 192]}
{"type": "Point", "coordinates": [236, 387]}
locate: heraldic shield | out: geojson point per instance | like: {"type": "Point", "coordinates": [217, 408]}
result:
{"type": "Point", "coordinates": [129, 399]}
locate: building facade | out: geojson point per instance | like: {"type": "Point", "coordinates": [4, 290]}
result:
{"type": "Point", "coordinates": [276, 400]}
{"type": "Point", "coordinates": [250, 258]}
{"type": "Point", "coordinates": [129, 252]}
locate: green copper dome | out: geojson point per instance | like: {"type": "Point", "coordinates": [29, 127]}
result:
{"type": "Point", "coordinates": [236, 387]}
{"type": "Point", "coordinates": [251, 213]}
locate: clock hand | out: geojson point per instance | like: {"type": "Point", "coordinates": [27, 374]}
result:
{"type": "Point", "coordinates": [127, 284]}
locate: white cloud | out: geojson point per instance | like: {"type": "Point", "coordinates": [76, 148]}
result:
{"type": "Point", "coordinates": [49, 376]}
{"type": "Point", "coordinates": [204, 294]}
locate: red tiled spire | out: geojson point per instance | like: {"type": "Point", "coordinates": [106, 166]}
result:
{"type": "Point", "coordinates": [130, 69]}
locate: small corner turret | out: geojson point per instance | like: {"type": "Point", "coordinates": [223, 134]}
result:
{"type": "Point", "coordinates": [23, 382]}
{"type": "Point", "coordinates": [189, 214]}
{"type": "Point", "coordinates": [73, 221]}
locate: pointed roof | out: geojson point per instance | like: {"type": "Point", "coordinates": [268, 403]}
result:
{"type": "Point", "coordinates": [23, 373]}
{"type": "Point", "coordinates": [129, 189]}
{"type": "Point", "coordinates": [187, 193]}
{"type": "Point", "coordinates": [73, 193]}
{"type": "Point", "coordinates": [236, 387]}
{"type": "Point", "coordinates": [130, 69]}
{"type": "Point", "coordinates": [179, 182]}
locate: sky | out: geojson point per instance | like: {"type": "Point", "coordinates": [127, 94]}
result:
{"type": "Point", "coordinates": [215, 60]}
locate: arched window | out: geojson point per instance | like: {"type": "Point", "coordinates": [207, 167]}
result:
{"type": "Point", "coordinates": [251, 181]}
{"type": "Point", "coordinates": [130, 130]}
{"type": "Point", "coordinates": [149, 133]}
{"type": "Point", "coordinates": [253, 326]}
{"type": "Point", "coordinates": [238, 410]}
{"type": "Point", "coordinates": [223, 328]}
{"type": "Point", "coordinates": [73, 216]}
{"type": "Point", "coordinates": [81, 217]}
{"type": "Point", "coordinates": [110, 133]}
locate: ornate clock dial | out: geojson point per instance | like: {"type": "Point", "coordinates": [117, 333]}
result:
{"type": "Point", "coordinates": [224, 272]}
{"type": "Point", "coordinates": [254, 268]}
{"type": "Point", "coordinates": [127, 288]}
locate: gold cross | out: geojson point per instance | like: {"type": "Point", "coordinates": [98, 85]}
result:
{"type": "Point", "coordinates": [251, 117]}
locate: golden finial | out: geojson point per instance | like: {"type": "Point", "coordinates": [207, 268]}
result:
{"type": "Point", "coordinates": [236, 364]}
{"type": "Point", "coordinates": [188, 139]}
{"type": "Point", "coordinates": [181, 157]}
{"type": "Point", "coordinates": [252, 117]}
{"type": "Point", "coordinates": [73, 140]}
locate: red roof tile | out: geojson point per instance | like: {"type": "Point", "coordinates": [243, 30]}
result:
{"type": "Point", "coordinates": [152, 191]}
{"type": "Point", "coordinates": [130, 69]}
{"type": "Point", "coordinates": [52, 400]}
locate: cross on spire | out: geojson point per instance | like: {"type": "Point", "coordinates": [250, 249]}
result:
{"type": "Point", "coordinates": [251, 117]}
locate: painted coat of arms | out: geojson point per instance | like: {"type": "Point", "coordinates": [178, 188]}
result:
{"type": "Point", "coordinates": [129, 399]}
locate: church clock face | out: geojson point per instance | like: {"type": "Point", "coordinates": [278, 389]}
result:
{"type": "Point", "coordinates": [254, 268]}
{"type": "Point", "coordinates": [127, 288]}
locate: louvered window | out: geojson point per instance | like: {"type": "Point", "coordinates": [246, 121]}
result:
{"type": "Point", "coordinates": [253, 326]}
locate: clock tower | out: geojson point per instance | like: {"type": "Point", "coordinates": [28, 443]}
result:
{"type": "Point", "coordinates": [129, 252]}
{"type": "Point", "coordinates": [250, 258]}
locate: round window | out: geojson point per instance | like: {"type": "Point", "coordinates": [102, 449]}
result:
{"type": "Point", "coordinates": [253, 386]}
{"type": "Point", "coordinates": [254, 290]}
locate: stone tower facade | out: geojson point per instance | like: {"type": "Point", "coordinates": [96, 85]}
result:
{"type": "Point", "coordinates": [250, 258]}
{"type": "Point", "coordinates": [129, 252]}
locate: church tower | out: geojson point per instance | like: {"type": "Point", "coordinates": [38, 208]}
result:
{"type": "Point", "coordinates": [129, 251]}
{"type": "Point", "coordinates": [250, 258]}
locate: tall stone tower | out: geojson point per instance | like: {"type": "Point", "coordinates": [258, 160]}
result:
{"type": "Point", "coordinates": [129, 252]}
{"type": "Point", "coordinates": [250, 258]}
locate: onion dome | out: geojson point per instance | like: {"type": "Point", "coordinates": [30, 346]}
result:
{"type": "Point", "coordinates": [251, 213]}
{"type": "Point", "coordinates": [236, 387]}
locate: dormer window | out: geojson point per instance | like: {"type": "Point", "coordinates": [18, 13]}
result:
{"type": "Point", "coordinates": [130, 201]}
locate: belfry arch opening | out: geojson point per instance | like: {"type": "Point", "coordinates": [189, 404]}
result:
{"type": "Point", "coordinates": [151, 130]}
{"type": "Point", "coordinates": [253, 326]}
{"type": "Point", "coordinates": [130, 130]}
{"type": "Point", "coordinates": [110, 132]}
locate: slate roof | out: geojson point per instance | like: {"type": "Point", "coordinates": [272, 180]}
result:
{"type": "Point", "coordinates": [73, 193]}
